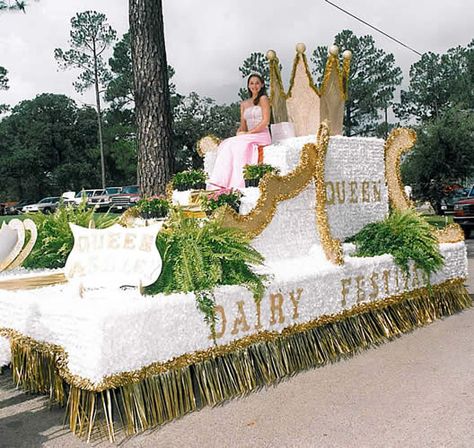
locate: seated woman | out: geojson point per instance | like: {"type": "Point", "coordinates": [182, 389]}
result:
{"type": "Point", "coordinates": [236, 152]}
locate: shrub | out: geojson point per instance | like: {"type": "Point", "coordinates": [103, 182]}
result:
{"type": "Point", "coordinates": [153, 207]}
{"type": "Point", "coordinates": [191, 179]}
{"type": "Point", "coordinates": [214, 200]}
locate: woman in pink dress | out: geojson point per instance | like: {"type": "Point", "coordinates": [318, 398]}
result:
{"type": "Point", "coordinates": [236, 152]}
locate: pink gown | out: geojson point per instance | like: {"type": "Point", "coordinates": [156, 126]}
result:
{"type": "Point", "coordinates": [236, 152]}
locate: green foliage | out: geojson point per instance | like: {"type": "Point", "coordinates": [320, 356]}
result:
{"type": "Point", "coordinates": [55, 239]}
{"type": "Point", "coordinates": [90, 37]}
{"type": "Point", "coordinates": [19, 5]}
{"type": "Point", "coordinates": [3, 79]}
{"type": "Point", "coordinates": [373, 79]}
{"type": "Point", "coordinates": [153, 207]}
{"type": "Point", "coordinates": [196, 117]}
{"type": "Point", "coordinates": [437, 83]}
{"type": "Point", "coordinates": [404, 235]}
{"type": "Point", "coordinates": [47, 146]}
{"type": "Point", "coordinates": [212, 201]}
{"type": "Point", "coordinates": [443, 155]}
{"type": "Point", "coordinates": [186, 180]}
{"type": "Point", "coordinates": [258, 171]}
{"type": "Point", "coordinates": [256, 62]}
{"type": "Point", "coordinates": [200, 255]}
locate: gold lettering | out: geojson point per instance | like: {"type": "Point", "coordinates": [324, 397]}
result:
{"type": "Point", "coordinates": [147, 243]}
{"type": "Point", "coordinates": [241, 319]}
{"type": "Point", "coordinates": [353, 185]}
{"type": "Point", "coordinates": [341, 192]}
{"type": "Point", "coordinates": [360, 285]}
{"type": "Point", "coordinates": [258, 324]}
{"type": "Point", "coordinates": [377, 191]}
{"type": "Point", "coordinates": [276, 306]}
{"type": "Point", "coordinates": [406, 276]}
{"type": "Point", "coordinates": [375, 286]}
{"type": "Point", "coordinates": [295, 301]}
{"type": "Point", "coordinates": [330, 195]}
{"type": "Point", "coordinates": [415, 278]}
{"type": "Point", "coordinates": [83, 243]}
{"type": "Point", "coordinates": [345, 282]}
{"type": "Point", "coordinates": [397, 283]}
{"type": "Point", "coordinates": [386, 277]}
{"type": "Point", "coordinates": [223, 321]}
{"type": "Point", "coordinates": [129, 241]}
{"type": "Point", "coordinates": [365, 191]}
{"type": "Point", "coordinates": [113, 241]}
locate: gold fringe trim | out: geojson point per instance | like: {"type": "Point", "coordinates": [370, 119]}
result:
{"type": "Point", "coordinates": [159, 393]}
{"type": "Point", "coordinates": [33, 282]}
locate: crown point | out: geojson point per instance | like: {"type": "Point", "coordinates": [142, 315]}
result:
{"type": "Point", "coordinates": [271, 55]}
{"type": "Point", "coordinates": [347, 54]}
{"type": "Point", "coordinates": [334, 50]}
{"type": "Point", "coordinates": [300, 48]}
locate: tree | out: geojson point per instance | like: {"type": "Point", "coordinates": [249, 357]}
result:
{"type": "Point", "coordinates": [3, 86]}
{"type": "Point", "coordinates": [437, 83]}
{"type": "Point", "coordinates": [372, 81]}
{"type": "Point", "coordinates": [443, 155]}
{"type": "Point", "coordinates": [12, 5]}
{"type": "Point", "coordinates": [256, 62]}
{"type": "Point", "coordinates": [196, 117]}
{"type": "Point", "coordinates": [47, 145]}
{"type": "Point", "coordinates": [90, 37]}
{"type": "Point", "coordinates": [151, 93]}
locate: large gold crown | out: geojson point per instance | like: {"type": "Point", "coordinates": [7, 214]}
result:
{"type": "Point", "coordinates": [306, 105]}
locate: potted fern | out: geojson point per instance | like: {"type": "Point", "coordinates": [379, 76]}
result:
{"type": "Point", "coordinates": [253, 173]}
{"type": "Point", "coordinates": [189, 180]}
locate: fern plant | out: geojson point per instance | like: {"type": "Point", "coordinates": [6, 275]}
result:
{"type": "Point", "coordinates": [55, 239]}
{"type": "Point", "coordinates": [200, 255]}
{"type": "Point", "coordinates": [404, 235]}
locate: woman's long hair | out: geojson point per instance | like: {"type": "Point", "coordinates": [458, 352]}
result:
{"type": "Point", "coordinates": [262, 91]}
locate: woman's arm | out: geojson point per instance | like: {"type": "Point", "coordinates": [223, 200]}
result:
{"type": "Point", "coordinates": [243, 123]}
{"type": "Point", "coordinates": [264, 103]}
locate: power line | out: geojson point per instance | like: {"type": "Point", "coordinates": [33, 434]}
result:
{"type": "Point", "coordinates": [373, 27]}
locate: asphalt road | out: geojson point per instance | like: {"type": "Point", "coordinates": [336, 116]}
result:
{"type": "Point", "coordinates": [416, 391]}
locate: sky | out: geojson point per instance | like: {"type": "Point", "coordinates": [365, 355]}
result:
{"type": "Point", "coordinates": [207, 40]}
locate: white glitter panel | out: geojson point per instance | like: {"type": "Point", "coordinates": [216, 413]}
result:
{"type": "Point", "coordinates": [111, 332]}
{"type": "Point", "coordinates": [5, 355]}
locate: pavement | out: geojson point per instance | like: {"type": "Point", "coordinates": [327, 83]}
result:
{"type": "Point", "coordinates": [416, 391]}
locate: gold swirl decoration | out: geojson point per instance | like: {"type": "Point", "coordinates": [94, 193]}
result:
{"type": "Point", "coordinates": [30, 226]}
{"type": "Point", "coordinates": [206, 144]}
{"type": "Point", "coordinates": [275, 189]}
{"type": "Point", "coordinates": [399, 142]}
{"type": "Point", "coordinates": [332, 247]}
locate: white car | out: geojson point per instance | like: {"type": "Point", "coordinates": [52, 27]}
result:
{"type": "Point", "coordinates": [87, 194]}
{"type": "Point", "coordinates": [46, 205]}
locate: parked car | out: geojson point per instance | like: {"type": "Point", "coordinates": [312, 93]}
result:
{"type": "Point", "coordinates": [464, 213]}
{"type": "Point", "coordinates": [87, 194]}
{"type": "Point", "coordinates": [46, 205]}
{"type": "Point", "coordinates": [129, 196]}
{"type": "Point", "coordinates": [15, 209]}
{"type": "Point", "coordinates": [104, 201]}
{"type": "Point", "coordinates": [447, 203]}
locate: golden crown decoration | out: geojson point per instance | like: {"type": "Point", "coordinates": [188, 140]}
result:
{"type": "Point", "coordinates": [305, 105]}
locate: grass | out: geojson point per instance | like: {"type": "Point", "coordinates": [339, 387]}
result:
{"type": "Point", "coordinates": [438, 221]}
{"type": "Point", "coordinates": [8, 218]}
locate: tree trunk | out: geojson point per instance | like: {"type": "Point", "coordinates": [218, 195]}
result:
{"type": "Point", "coordinates": [99, 118]}
{"type": "Point", "coordinates": [152, 99]}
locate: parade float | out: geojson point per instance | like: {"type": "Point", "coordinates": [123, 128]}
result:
{"type": "Point", "coordinates": [97, 337]}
